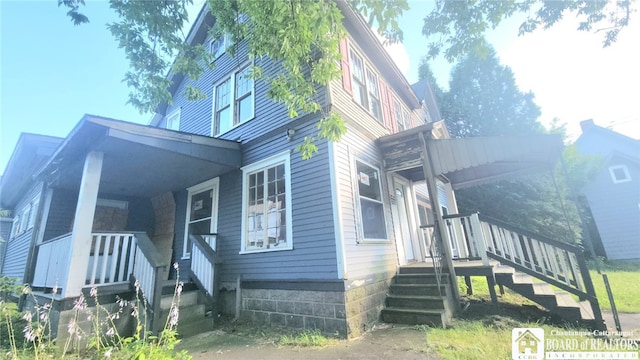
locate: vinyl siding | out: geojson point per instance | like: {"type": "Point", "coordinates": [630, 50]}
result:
{"type": "Point", "coordinates": [363, 260]}
{"type": "Point", "coordinates": [616, 210]}
{"type": "Point", "coordinates": [196, 116]}
{"type": "Point", "coordinates": [18, 248]}
{"type": "Point", "coordinates": [313, 255]}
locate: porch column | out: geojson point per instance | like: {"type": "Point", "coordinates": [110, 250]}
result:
{"type": "Point", "coordinates": [432, 187]}
{"type": "Point", "coordinates": [82, 225]}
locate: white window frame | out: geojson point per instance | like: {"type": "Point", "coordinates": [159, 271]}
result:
{"type": "Point", "coordinates": [282, 158]}
{"type": "Point", "coordinates": [359, 206]}
{"type": "Point", "coordinates": [214, 186]}
{"type": "Point", "coordinates": [233, 101]}
{"type": "Point", "coordinates": [614, 178]}
{"type": "Point", "coordinates": [24, 218]}
{"type": "Point", "coordinates": [172, 121]}
{"type": "Point", "coordinates": [403, 119]}
{"type": "Point", "coordinates": [365, 84]}
{"type": "Point", "coordinates": [34, 212]}
{"type": "Point", "coordinates": [223, 42]}
{"type": "Point", "coordinates": [15, 227]}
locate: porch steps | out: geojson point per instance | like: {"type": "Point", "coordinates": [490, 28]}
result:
{"type": "Point", "coordinates": [192, 317]}
{"type": "Point", "coordinates": [557, 302]}
{"type": "Point", "coordinates": [414, 299]}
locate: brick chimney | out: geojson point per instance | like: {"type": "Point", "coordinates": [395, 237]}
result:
{"type": "Point", "coordinates": [586, 124]}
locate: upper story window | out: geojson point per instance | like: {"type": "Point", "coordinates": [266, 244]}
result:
{"type": "Point", "coordinates": [619, 174]}
{"type": "Point", "coordinates": [401, 115]}
{"type": "Point", "coordinates": [266, 205]}
{"type": "Point", "coordinates": [172, 121]}
{"type": "Point", "coordinates": [234, 99]}
{"type": "Point", "coordinates": [370, 202]}
{"type": "Point", "coordinates": [219, 45]}
{"type": "Point", "coordinates": [365, 85]}
{"type": "Point", "coordinates": [34, 211]}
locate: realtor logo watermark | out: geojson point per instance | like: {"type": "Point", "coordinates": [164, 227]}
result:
{"type": "Point", "coordinates": [530, 344]}
{"type": "Point", "coordinates": [527, 343]}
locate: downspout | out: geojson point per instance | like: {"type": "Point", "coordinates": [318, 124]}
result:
{"type": "Point", "coordinates": [430, 179]}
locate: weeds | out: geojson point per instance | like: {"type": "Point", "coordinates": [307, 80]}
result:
{"type": "Point", "coordinates": [307, 338]}
{"type": "Point", "coordinates": [92, 331]}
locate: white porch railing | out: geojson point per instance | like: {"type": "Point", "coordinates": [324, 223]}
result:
{"type": "Point", "coordinates": [111, 259]}
{"type": "Point", "coordinates": [203, 262]}
{"type": "Point", "coordinates": [52, 263]}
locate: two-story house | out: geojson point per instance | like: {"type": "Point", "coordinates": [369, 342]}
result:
{"type": "Point", "coordinates": [216, 187]}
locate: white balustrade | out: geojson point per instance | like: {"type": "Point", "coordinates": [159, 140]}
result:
{"type": "Point", "coordinates": [111, 260]}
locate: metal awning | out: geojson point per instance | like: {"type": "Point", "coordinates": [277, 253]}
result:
{"type": "Point", "coordinates": [470, 161]}
{"type": "Point", "coordinates": [140, 160]}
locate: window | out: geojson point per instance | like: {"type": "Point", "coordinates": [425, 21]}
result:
{"type": "Point", "coordinates": [266, 205]}
{"type": "Point", "coordinates": [219, 45]}
{"type": "Point", "coordinates": [15, 228]}
{"type": "Point", "coordinates": [370, 202]}
{"type": "Point", "coordinates": [24, 218]}
{"type": "Point", "coordinates": [375, 106]}
{"type": "Point", "coordinates": [233, 101]}
{"type": "Point", "coordinates": [202, 214]}
{"type": "Point", "coordinates": [358, 83]}
{"type": "Point", "coordinates": [34, 211]}
{"type": "Point", "coordinates": [365, 86]}
{"type": "Point", "coordinates": [173, 120]}
{"type": "Point", "coordinates": [619, 174]}
{"type": "Point", "coordinates": [401, 115]}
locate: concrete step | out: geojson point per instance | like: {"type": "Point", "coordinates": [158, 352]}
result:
{"type": "Point", "coordinates": [422, 279]}
{"type": "Point", "coordinates": [416, 270]}
{"type": "Point", "coordinates": [435, 318]}
{"type": "Point", "coordinates": [187, 298]}
{"type": "Point", "coordinates": [416, 302]}
{"type": "Point", "coordinates": [194, 327]}
{"type": "Point", "coordinates": [186, 314]}
{"type": "Point", "coordinates": [417, 289]}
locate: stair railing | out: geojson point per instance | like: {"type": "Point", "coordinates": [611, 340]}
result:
{"type": "Point", "coordinates": [435, 252]}
{"type": "Point", "coordinates": [205, 265]}
{"type": "Point", "coordinates": [149, 269]}
{"type": "Point", "coordinates": [465, 233]}
{"type": "Point", "coordinates": [557, 263]}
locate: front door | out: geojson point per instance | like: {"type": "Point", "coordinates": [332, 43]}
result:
{"type": "Point", "coordinates": [202, 214]}
{"type": "Point", "coordinates": [407, 251]}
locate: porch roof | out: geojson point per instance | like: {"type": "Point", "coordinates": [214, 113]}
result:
{"type": "Point", "coordinates": [469, 161]}
{"type": "Point", "coordinates": [140, 160]}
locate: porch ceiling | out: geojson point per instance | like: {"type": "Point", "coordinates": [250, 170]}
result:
{"type": "Point", "coordinates": [471, 161]}
{"type": "Point", "coordinates": [140, 160]}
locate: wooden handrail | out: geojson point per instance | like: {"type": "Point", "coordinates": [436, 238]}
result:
{"type": "Point", "coordinates": [527, 233]}
{"type": "Point", "coordinates": [207, 251]}
{"type": "Point", "coordinates": [149, 250]}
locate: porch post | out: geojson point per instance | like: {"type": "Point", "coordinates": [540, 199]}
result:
{"type": "Point", "coordinates": [430, 178]}
{"type": "Point", "coordinates": [82, 225]}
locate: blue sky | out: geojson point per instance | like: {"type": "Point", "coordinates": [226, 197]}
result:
{"type": "Point", "coordinates": [51, 72]}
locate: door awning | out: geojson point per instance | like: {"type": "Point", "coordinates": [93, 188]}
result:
{"type": "Point", "coordinates": [470, 161]}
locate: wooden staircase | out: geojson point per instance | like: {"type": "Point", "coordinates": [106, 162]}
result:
{"type": "Point", "coordinates": [416, 298]}
{"type": "Point", "coordinates": [557, 302]}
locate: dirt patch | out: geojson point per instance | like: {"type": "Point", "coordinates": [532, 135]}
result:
{"type": "Point", "coordinates": [384, 341]}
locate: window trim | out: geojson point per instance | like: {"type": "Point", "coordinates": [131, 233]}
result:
{"type": "Point", "coordinates": [361, 237]}
{"type": "Point", "coordinates": [367, 69]}
{"type": "Point", "coordinates": [625, 170]}
{"type": "Point", "coordinates": [214, 185]}
{"type": "Point", "coordinates": [233, 108]}
{"type": "Point", "coordinates": [403, 117]}
{"type": "Point", "coordinates": [226, 42]}
{"type": "Point", "coordinates": [174, 114]}
{"type": "Point", "coordinates": [281, 158]}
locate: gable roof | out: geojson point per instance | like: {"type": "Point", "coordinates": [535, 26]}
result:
{"type": "Point", "coordinates": [355, 24]}
{"type": "Point", "coordinates": [598, 140]}
{"type": "Point", "coordinates": [30, 153]}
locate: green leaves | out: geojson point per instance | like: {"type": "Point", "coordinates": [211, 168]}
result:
{"type": "Point", "coordinates": [457, 28]}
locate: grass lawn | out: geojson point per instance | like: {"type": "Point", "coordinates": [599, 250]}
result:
{"type": "Point", "coordinates": [624, 278]}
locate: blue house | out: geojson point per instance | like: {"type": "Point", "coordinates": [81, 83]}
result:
{"type": "Point", "coordinates": [614, 194]}
{"type": "Point", "coordinates": [332, 243]}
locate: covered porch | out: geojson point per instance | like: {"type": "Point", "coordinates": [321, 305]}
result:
{"type": "Point", "coordinates": [110, 213]}
{"type": "Point", "coordinates": [473, 245]}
